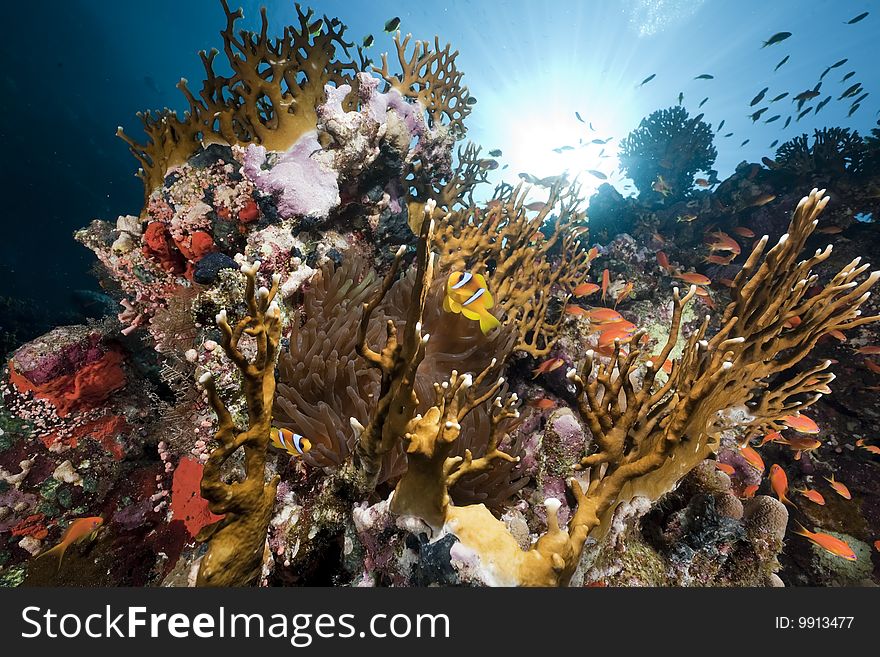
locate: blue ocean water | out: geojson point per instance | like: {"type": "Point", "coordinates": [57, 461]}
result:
{"type": "Point", "coordinates": [75, 70]}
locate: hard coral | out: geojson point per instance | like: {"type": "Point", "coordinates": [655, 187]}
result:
{"type": "Point", "coordinates": [835, 151]}
{"type": "Point", "coordinates": [670, 144]}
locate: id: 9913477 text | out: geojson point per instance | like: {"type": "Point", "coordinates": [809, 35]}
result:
{"type": "Point", "coordinates": [814, 622]}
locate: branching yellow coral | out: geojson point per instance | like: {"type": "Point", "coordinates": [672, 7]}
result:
{"type": "Point", "coordinates": [270, 98]}
{"type": "Point", "coordinates": [236, 543]}
{"type": "Point", "coordinates": [649, 434]}
{"type": "Point", "coordinates": [524, 278]}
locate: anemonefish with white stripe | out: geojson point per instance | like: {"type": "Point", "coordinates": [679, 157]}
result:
{"type": "Point", "coordinates": [291, 442]}
{"type": "Point", "coordinates": [468, 294]}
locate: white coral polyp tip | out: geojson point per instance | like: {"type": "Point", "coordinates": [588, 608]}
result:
{"type": "Point", "coordinates": [703, 344]}
{"type": "Point", "coordinates": [430, 206]}
{"type": "Point", "coordinates": [494, 362]}
{"type": "Point", "coordinates": [444, 385]}
{"type": "Point", "coordinates": [418, 328]}
{"type": "Point", "coordinates": [221, 317]}
{"type": "Point", "coordinates": [274, 309]}
{"type": "Point", "coordinates": [590, 353]}
{"type": "Point", "coordinates": [514, 397]}
{"type": "Point", "coordinates": [448, 425]}
{"type": "Point", "coordinates": [675, 290]}
{"type": "Point", "coordinates": [400, 250]}
{"type": "Point", "coordinates": [552, 505]}
{"type": "Point", "coordinates": [276, 279]}
{"type": "Point", "coordinates": [501, 380]}
{"type": "Point", "coordinates": [649, 364]}
{"type": "Point", "coordinates": [263, 292]}
{"type": "Point", "coordinates": [726, 365]}
{"type": "Point", "coordinates": [784, 238]}
{"type": "Point", "coordinates": [570, 374]}
{"type": "Point", "coordinates": [425, 338]}
{"type": "Point", "coordinates": [204, 378]}
{"type": "Point", "coordinates": [516, 414]}
{"type": "Point", "coordinates": [467, 381]}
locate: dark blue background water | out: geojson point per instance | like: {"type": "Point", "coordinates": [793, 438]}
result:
{"type": "Point", "coordinates": [73, 71]}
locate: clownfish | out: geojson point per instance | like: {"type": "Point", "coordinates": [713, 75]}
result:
{"type": "Point", "coordinates": [292, 443]}
{"type": "Point", "coordinates": [468, 294]}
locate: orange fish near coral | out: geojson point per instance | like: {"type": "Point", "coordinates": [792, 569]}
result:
{"type": "Point", "coordinates": [800, 444]}
{"type": "Point", "coordinates": [542, 404]}
{"type": "Point", "coordinates": [742, 231]}
{"type": "Point", "coordinates": [779, 483]}
{"type": "Point", "coordinates": [604, 315]}
{"type": "Point", "coordinates": [290, 442]}
{"type": "Point", "coordinates": [871, 365]}
{"type": "Point", "coordinates": [813, 495]}
{"type": "Point", "coordinates": [828, 543]}
{"type": "Point", "coordinates": [771, 437]}
{"type": "Point", "coordinates": [719, 260]}
{"type": "Point", "coordinates": [576, 310]}
{"type": "Point", "coordinates": [839, 488]}
{"type": "Point", "coordinates": [663, 261]}
{"type": "Point", "coordinates": [694, 278]}
{"type": "Point", "coordinates": [606, 278]}
{"type": "Point", "coordinates": [726, 468]}
{"type": "Point", "coordinates": [801, 423]}
{"type": "Point", "coordinates": [548, 366]}
{"type": "Point", "coordinates": [749, 491]}
{"type": "Point", "coordinates": [607, 337]}
{"type": "Point", "coordinates": [592, 254]}
{"type": "Point", "coordinates": [752, 458]}
{"type": "Point", "coordinates": [76, 531]}
{"type": "Point", "coordinates": [624, 293]}
{"type": "Point", "coordinates": [869, 350]}
{"type": "Point", "coordinates": [585, 289]}
{"type": "Point", "coordinates": [723, 242]}
{"type": "Point", "coordinates": [468, 294]}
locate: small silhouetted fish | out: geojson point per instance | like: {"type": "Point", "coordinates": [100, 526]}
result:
{"type": "Point", "coordinates": [757, 99]}
{"type": "Point", "coordinates": [853, 21]}
{"type": "Point", "coordinates": [648, 79]}
{"type": "Point", "coordinates": [598, 174]}
{"type": "Point", "coordinates": [745, 142]}
{"type": "Point", "coordinates": [834, 65]}
{"type": "Point", "coordinates": [729, 134]}
{"type": "Point", "coordinates": [779, 37]}
{"type": "Point", "coordinates": [720, 125]}
{"type": "Point", "coordinates": [698, 118]}
{"type": "Point", "coordinates": [805, 95]}
{"type": "Point", "coordinates": [757, 115]}
{"type": "Point", "coordinates": [578, 115]}
{"type": "Point", "coordinates": [787, 123]}
{"type": "Point", "coordinates": [775, 141]}
{"type": "Point", "coordinates": [779, 97]}
{"type": "Point", "coordinates": [703, 102]}
{"type": "Point", "coordinates": [601, 141]}
{"type": "Point", "coordinates": [852, 91]}
{"type": "Point", "coordinates": [489, 165]}
{"type": "Point", "coordinates": [562, 149]}
{"type": "Point", "coordinates": [680, 97]}
{"type": "Point", "coordinates": [471, 100]}
{"type": "Point", "coordinates": [773, 118]}
{"type": "Point", "coordinates": [495, 152]}
{"type": "Point", "coordinates": [847, 76]}
{"type": "Point", "coordinates": [368, 41]}
{"type": "Point", "coordinates": [852, 110]}
{"type": "Point", "coordinates": [392, 25]}
{"type": "Point", "coordinates": [804, 113]}
{"type": "Point", "coordinates": [529, 178]}
{"type": "Point", "coordinates": [705, 76]}
{"type": "Point", "coordinates": [591, 126]}
{"type": "Point", "coordinates": [784, 59]}
{"type": "Point", "coordinates": [860, 98]}
{"type": "Point", "coordinates": [822, 104]}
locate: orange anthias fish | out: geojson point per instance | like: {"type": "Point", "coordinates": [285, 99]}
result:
{"type": "Point", "coordinates": [607, 337]}
{"type": "Point", "coordinates": [624, 293]}
{"type": "Point", "coordinates": [592, 254]}
{"type": "Point", "coordinates": [869, 350]}
{"type": "Point", "coordinates": [576, 310]}
{"type": "Point", "coordinates": [726, 282]}
{"type": "Point", "coordinates": [290, 442]}
{"type": "Point", "coordinates": [694, 278]}
{"type": "Point", "coordinates": [76, 531]}
{"type": "Point", "coordinates": [585, 289]}
{"type": "Point", "coordinates": [771, 437]}
{"type": "Point", "coordinates": [542, 404]}
{"type": "Point", "coordinates": [701, 182]}
{"type": "Point", "coordinates": [800, 444]}
{"type": "Point", "coordinates": [726, 468]}
{"type": "Point", "coordinates": [719, 260]}
{"type": "Point", "coordinates": [839, 488]}
{"type": "Point", "coordinates": [723, 242]}
{"type": "Point", "coordinates": [752, 458]}
{"type": "Point", "coordinates": [604, 315]}
{"type": "Point", "coordinates": [663, 261]}
{"type": "Point", "coordinates": [606, 278]}
{"type": "Point", "coordinates": [749, 491]}
{"type": "Point", "coordinates": [830, 230]}
{"type": "Point", "coordinates": [548, 366]}
{"type": "Point", "coordinates": [742, 231]}
{"type": "Point", "coordinates": [828, 543]}
{"type": "Point", "coordinates": [779, 483]}
{"type": "Point", "coordinates": [871, 365]}
{"type": "Point", "coordinates": [813, 495]}
{"type": "Point", "coordinates": [468, 294]}
{"type": "Point", "coordinates": [800, 423]}
{"type": "Point", "coordinates": [792, 322]}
